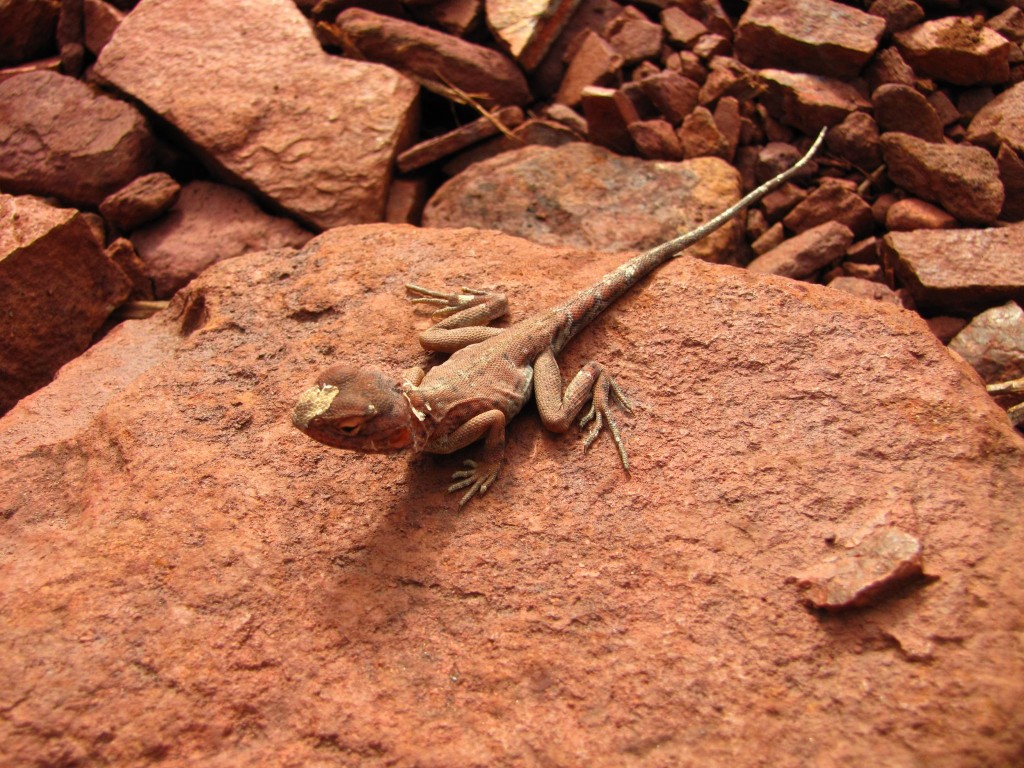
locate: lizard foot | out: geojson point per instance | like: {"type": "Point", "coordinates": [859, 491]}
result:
{"type": "Point", "coordinates": [605, 390]}
{"type": "Point", "coordinates": [478, 478]}
{"type": "Point", "coordinates": [447, 303]}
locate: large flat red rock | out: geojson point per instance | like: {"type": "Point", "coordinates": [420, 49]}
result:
{"type": "Point", "coordinates": [262, 102]}
{"type": "Point", "coordinates": [195, 580]}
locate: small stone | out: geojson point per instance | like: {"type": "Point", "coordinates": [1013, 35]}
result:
{"type": "Point", "coordinates": [27, 30]}
{"type": "Point", "coordinates": [898, 14]}
{"type": "Point", "coordinates": [833, 200]}
{"type": "Point", "coordinates": [435, 60]}
{"type": "Point", "coordinates": [57, 288]}
{"type": "Point", "coordinates": [1011, 173]}
{"type": "Point", "coordinates": [438, 147]}
{"type": "Point", "coordinates": [1009, 24]}
{"type": "Point", "coordinates": [880, 208]}
{"type": "Point", "coordinates": [544, 133]}
{"type": "Point", "coordinates": [945, 327]}
{"type": "Point", "coordinates": [729, 121]}
{"type": "Point", "coordinates": [993, 343]}
{"type": "Point", "coordinates": [634, 36]}
{"type": "Point", "coordinates": [701, 137]}
{"type": "Point", "coordinates": [62, 139]}
{"type": "Point", "coordinates": [856, 139]}
{"type": "Point", "coordinates": [673, 95]}
{"type": "Point", "coordinates": [809, 102]}
{"type": "Point", "coordinates": [656, 140]}
{"type": "Point", "coordinates": [772, 238]}
{"type": "Point", "coordinates": [814, 36]}
{"type": "Point", "coordinates": [958, 271]}
{"type": "Point", "coordinates": [529, 29]}
{"type": "Point", "coordinates": [888, 66]}
{"type": "Point", "coordinates": [209, 223]}
{"type": "Point", "coordinates": [140, 201]}
{"type": "Point", "coordinates": [912, 213]}
{"type": "Point", "coordinates": [944, 108]}
{"type": "Point", "coordinates": [905, 109]}
{"type": "Point", "coordinates": [456, 17]}
{"type": "Point", "coordinates": [596, 62]}
{"type": "Point", "coordinates": [681, 27]}
{"type": "Point", "coordinates": [122, 252]}
{"type": "Point", "coordinates": [609, 114]}
{"type": "Point", "coordinates": [778, 203]}
{"type": "Point", "coordinates": [727, 77]}
{"type": "Point", "coordinates": [863, 253]}
{"type": "Point", "coordinates": [1000, 121]}
{"type": "Point", "coordinates": [687, 64]}
{"type": "Point", "coordinates": [777, 156]}
{"type": "Point", "coordinates": [406, 199]}
{"type": "Point", "coordinates": [962, 179]}
{"type": "Point", "coordinates": [863, 570]}
{"type": "Point", "coordinates": [956, 50]}
{"type": "Point", "coordinates": [101, 21]}
{"type": "Point", "coordinates": [567, 116]}
{"type": "Point", "coordinates": [709, 46]}
{"type": "Point", "coordinates": [866, 289]}
{"type": "Point", "coordinates": [801, 256]}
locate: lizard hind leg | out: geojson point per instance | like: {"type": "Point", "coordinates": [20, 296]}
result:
{"type": "Point", "coordinates": [606, 389]}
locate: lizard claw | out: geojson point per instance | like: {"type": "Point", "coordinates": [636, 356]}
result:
{"type": "Point", "coordinates": [478, 478]}
{"type": "Point", "coordinates": [447, 303]}
{"type": "Point", "coordinates": [604, 390]}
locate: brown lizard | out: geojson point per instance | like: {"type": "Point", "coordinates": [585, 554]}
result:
{"type": "Point", "coordinates": [491, 371]}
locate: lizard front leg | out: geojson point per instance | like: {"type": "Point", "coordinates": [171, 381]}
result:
{"type": "Point", "coordinates": [558, 409]}
{"type": "Point", "coordinates": [481, 474]}
{"type": "Point", "coordinates": [462, 317]}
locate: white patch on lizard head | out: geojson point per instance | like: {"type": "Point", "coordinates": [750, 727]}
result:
{"type": "Point", "coordinates": [415, 411]}
{"type": "Point", "coordinates": [312, 403]}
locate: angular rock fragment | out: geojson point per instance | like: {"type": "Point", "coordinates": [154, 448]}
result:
{"type": "Point", "coordinates": [1009, 24]}
{"type": "Point", "coordinates": [867, 289]}
{"type": "Point", "coordinates": [101, 21]}
{"type": "Point", "coordinates": [1000, 121]}
{"type": "Point", "coordinates": [832, 201]}
{"type": "Point", "coordinates": [57, 287]}
{"type": "Point", "coordinates": [958, 271]}
{"type": "Point", "coordinates": [456, 17]}
{"type": "Point", "coordinates": [898, 14]}
{"type": "Point", "coordinates": [435, 60]}
{"type": "Point", "coordinates": [911, 213]}
{"type": "Point", "coordinates": [595, 63]}
{"type": "Point", "coordinates": [681, 27]}
{"type": "Point", "coordinates": [864, 570]}
{"type": "Point", "coordinates": [545, 133]}
{"type": "Point", "coordinates": [857, 139]}
{"type": "Point", "coordinates": [887, 67]}
{"type": "Point", "coordinates": [122, 252]}
{"type": "Point", "coordinates": [27, 30]}
{"type": "Point", "coordinates": [434, 149]}
{"type": "Point", "coordinates": [61, 138]}
{"type": "Point", "coordinates": [656, 140]}
{"type": "Point", "coordinates": [962, 179]}
{"type": "Point", "coordinates": [634, 36]}
{"type": "Point", "coordinates": [584, 196]}
{"type": "Point", "coordinates": [993, 343]}
{"type": "Point", "coordinates": [406, 199]}
{"type": "Point", "coordinates": [209, 223]}
{"type": "Point", "coordinates": [809, 102]}
{"type": "Point", "coordinates": [906, 110]}
{"type": "Point", "coordinates": [803, 255]}
{"type": "Point", "coordinates": [140, 201]}
{"type": "Point", "coordinates": [242, 111]}
{"type": "Point", "coordinates": [609, 114]}
{"type": "Point", "coordinates": [529, 29]}
{"type": "Point", "coordinates": [700, 136]}
{"type": "Point", "coordinates": [1011, 173]}
{"type": "Point", "coordinates": [956, 50]}
{"type": "Point", "coordinates": [816, 36]}
{"type": "Point", "coordinates": [672, 94]}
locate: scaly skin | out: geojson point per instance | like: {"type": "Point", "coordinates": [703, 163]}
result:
{"type": "Point", "coordinates": [491, 372]}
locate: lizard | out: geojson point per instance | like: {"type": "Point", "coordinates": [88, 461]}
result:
{"type": "Point", "coordinates": [491, 372]}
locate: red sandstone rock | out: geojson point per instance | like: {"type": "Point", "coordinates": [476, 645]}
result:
{"type": "Point", "coordinates": [62, 138]}
{"type": "Point", "coordinates": [101, 21]}
{"type": "Point", "coordinates": [529, 29]}
{"type": "Point", "coordinates": [898, 14]}
{"type": "Point", "coordinates": [1000, 121]}
{"type": "Point", "coordinates": [869, 566]}
{"type": "Point", "coordinates": [595, 63]}
{"type": "Point", "coordinates": [956, 50]}
{"type": "Point", "coordinates": [728, 77]}
{"type": "Point", "coordinates": [609, 114]}
{"type": "Point", "coordinates": [945, 327]}
{"type": "Point", "coordinates": [591, 15]}
{"type": "Point", "coordinates": [856, 139]}
{"type": "Point", "coordinates": [406, 199]}
{"type": "Point", "coordinates": [434, 59]}
{"type": "Point", "coordinates": [771, 238]}
{"type": "Point", "coordinates": [27, 30]}
{"type": "Point", "coordinates": [456, 17]}
{"type": "Point", "coordinates": [544, 133]}
{"type": "Point", "coordinates": [674, 96]}
{"type": "Point", "coordinates": [582, 195]}
{"type": "Point", "coordinates": [656, 140]}
{"type": "Point", "coordinates": [700, 136]}
{"type": "Point", "coordinates": [962, 179]}
{"type": "Point", "coordinates": [122, 253]}
{"type": "Point", "coordinates": [803, 255]}
{"type": "Point", "coordinates": [944, 108]}
{"type": "Point", "coordinates": [57, 288]}
{"type": "Point", "coordinates": [681, 27]}
{"type": "Point", "coordinates": [911, 213]}
{"type": "Point", "coordinates": [432, 150]}
{"type": "Point", "coordinates": [634, 36]}
{"type": "Point", "coordinates": [817, 36]}
{"type": "Point", "coordinates": [1011, 173]}
{"type": "Point", "coordinates": [709, 46]}
{"type": "Point", "coordinates": [140, 201]}
{"type": "Point", "coordinates": [309, 131]}
{"type": "Point", "coordinates": [775, 157]}
{"type": "Point", "coordinates": [1009, 24]}
{"type": "Point", "coordinates": [809, 102]}
{"type": "Point", "coordinates": [958, 271]}
{"type": "Point", "coordinates": [729, 121]}
{"type": "Point", "coordinates": [210, 222]}
{"type": "Point", "coordinates": [868, 289]}
{"type": "Point", "coordinates": [832, 201]}
{"type": "Point", "coordinates": [215, 589]}
{"type": "Point", "coordinates": [906, 110]}
{"type": "Point", "coordinates": [888, 67]}
{"type": "Point", "coordinates": [993, 343]}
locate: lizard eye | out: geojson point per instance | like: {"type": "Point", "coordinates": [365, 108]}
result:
{"type": "Point", "coordinates": [350, 426]}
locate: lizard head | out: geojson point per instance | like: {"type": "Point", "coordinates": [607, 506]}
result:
{"type": "Point", "coordinates": [357, 409]}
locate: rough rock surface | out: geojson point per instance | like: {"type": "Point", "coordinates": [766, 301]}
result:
{"type": "Point", "coordinates": [196, 580]}
{"type": "Point", "coordinates": [962, 179]}
{"type": "Point", "coordinates": [805, 254]}
{"type": "Point", "coordinates": [809, 102]}
{"type": "Point", "coordinates": [1001, 121]}
{"type": "Point", "coordinates": [993, 343]}
{"type": "Point", "coordinates": [140, 201]}
{"type": "Point", "coordinates": [240, 111]}
{"type": "Point", "coordinates": [210, 222]}
{"type": "Point", "coordinates": [956, 50]}
{"type": "Point", "coordinates": [57, 288]}
{"type": "Point", "coordinates": [529, 28]}
{"type": "Point", "coordinates": [817, 36]}
{"type": "Point", "coordinates": [583, 196]}
{"type": "Point", "coordinates": [959, 271]}
{"type": "Point", "coordinates": [62, 138]}
{"type": "Point", "coordinates": [906, 110]}
{"type": "Point", "coordinates": [432, 58]}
